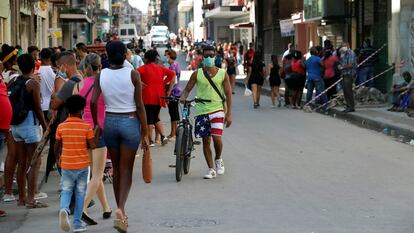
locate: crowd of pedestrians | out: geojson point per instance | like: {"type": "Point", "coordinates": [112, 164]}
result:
{"type": "Point", "coordinates": [93, 106]}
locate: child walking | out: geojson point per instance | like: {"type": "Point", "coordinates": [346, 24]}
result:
{"type": "Point", "coordinates": [73, 139]}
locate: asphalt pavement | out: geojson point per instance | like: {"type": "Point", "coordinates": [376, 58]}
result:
{"type": "Point", "coordinates": [286, 172]}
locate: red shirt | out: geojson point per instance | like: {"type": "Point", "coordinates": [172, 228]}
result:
{"type": "Point", "coordinates": [5, 106]}
{"type": "Point", "coordinates": [297, 67]}
{"type": "Point", "coordinates": [329, 66]}
{"type": "Point", "coordinates": [154, 78]}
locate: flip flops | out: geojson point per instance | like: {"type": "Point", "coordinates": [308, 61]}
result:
{"type": "Point", "coordinates": [36, 205]}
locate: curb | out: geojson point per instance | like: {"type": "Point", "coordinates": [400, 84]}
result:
{"type": "Point", "coordinates": [404, 135]}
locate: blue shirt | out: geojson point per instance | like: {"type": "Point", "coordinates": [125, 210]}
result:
{"type": "Point", "coordinates": [313, 67]}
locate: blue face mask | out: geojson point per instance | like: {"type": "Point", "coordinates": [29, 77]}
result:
{"type": "Point", "coordinates": [209, 61]}
{"type": "Point", "coordinates": [62, 74]}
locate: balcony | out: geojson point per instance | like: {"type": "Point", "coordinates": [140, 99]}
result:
{"type": "Point", "coordinates": [75, 14]}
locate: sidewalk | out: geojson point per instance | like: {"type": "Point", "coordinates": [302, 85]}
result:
{"type": "Point", "coordinates": [395, 124]}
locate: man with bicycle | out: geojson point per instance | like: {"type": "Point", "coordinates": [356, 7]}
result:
{"type": "Point", "coordinates": [211, 116]}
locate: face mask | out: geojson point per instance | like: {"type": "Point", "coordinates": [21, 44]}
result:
{"type": "Point", "coordinates": [62, 74]}
{"type": "Point", "coordinates": [209, 61]}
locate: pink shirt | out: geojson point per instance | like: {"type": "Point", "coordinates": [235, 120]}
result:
{"type": "Point", "coordinates": [87, 117]}
{"type": "Point", "coordinates": [329, 66]}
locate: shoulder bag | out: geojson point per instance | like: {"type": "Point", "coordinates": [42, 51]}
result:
{"type": "Point", "coordinates": [215, 88]}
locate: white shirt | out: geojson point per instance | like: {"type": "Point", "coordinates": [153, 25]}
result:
{"type": "Point", "coordinates": [118, 91]}
{"type": "Point", "coordinates": [47, 82]}
{"type": "Point", "coordinates": [127, 64]}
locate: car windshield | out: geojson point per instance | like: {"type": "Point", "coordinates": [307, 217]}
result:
{"type": "Point", "coordinates": [123, 32]}
{"type": "Point", "coordinates": [158, 36]}
{"type": "Point", "coordinates": [131, 32]}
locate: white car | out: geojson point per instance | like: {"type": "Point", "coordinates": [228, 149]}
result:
{"type": "Point", "coordinates": [159, 40]}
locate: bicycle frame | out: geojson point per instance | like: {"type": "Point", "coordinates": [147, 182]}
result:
{"type": "Point", "coordinates": [188, 128]}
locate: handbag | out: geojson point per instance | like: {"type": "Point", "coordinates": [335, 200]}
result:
{"type": "Point", "coordinates": [215, 89]}
{"type": "Point", "coordinates": [146, 166]}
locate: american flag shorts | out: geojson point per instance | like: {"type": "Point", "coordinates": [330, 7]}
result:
{"type": "Point", "coordinates": [209, 124]}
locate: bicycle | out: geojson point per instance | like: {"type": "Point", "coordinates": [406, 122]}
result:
{"type": "Point", "coordinates": [184, 143]}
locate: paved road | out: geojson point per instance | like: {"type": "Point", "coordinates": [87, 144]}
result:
{"type": "Point", "coordinates": [286, 172]}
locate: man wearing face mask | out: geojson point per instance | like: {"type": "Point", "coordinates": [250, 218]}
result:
{"type": "Point", "coordinates": [348, 70]}
{"type": "Point", "coordinates": [66, 62]}
{"type": "Point", "coordinates": [211, 117]}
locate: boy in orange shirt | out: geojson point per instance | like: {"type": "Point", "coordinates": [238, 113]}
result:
{"type": "Point", "coordinates": [73, 138]}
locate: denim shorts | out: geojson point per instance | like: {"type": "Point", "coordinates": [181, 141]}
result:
{"type": "Point", "coordinates": [122, 130]}
{"type": "Point", "coordinates": [28, 131]}
{"type": "Point", "coordinates": [100, 143]}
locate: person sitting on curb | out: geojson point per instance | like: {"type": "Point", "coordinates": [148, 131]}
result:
{"type": "Point", "coordinates": [400, 92]}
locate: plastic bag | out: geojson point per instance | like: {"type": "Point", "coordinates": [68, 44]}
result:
{"type": "Point", "coordinates": [247, 91]}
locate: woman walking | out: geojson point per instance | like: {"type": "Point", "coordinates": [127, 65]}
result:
{"type": "Point", "coordinates": [92, 68]}
{"type": "Point", "coordinates": [154, 81]}
{"type": "Point", "coordinates": [231, 64]}
{"type": "Point", "coordinates": [125, 123]}
{"type": "Point", "coordinates": [177, 92]}
{"type": "Point", "coordinates": [274, 81]}
{"type": "Point", "coordinates": [256, 78]}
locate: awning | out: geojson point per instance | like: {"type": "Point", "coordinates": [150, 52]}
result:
{"type": "Point", "coordinates": [227, 12]}
{"type": "Point", "coordinates": [241, 25]}
{"type": "Point", "coordinates": [185, 5]}
{"type": "Point", "coordinates": [75, 18]}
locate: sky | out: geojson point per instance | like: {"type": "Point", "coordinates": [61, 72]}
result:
{"type": "Point", "coordinates": [140, 4]}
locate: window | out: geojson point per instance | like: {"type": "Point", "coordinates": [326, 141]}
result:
{"type": "Point", "coordinates": [131, 32]}
{"type": "Point", "coordinates": [123, 32]}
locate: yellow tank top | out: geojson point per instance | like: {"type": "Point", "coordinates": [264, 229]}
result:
{"type": "Point", "coordinates": [206, 91]}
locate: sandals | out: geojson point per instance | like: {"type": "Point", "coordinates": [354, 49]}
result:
{"type": "Point", "coordinates": [121, 222]}
{"type": "Point", "coordinates": [36, 205]}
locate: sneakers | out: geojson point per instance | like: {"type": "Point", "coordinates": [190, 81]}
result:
{"type": "Point", "coordinates": [152, 144]}
{"type": "Point", "coordinates": [80, 229]}
{"type": "Point", "coordinates": [210, 174]}
{"type": "Point", "coordinates": [220, 166]}
{"type": "Point", "coordinates": [64, 223]}
{"type": "Point", "coordinates": [40, 195]}
{"type": "Point", "coordinates": [164, 140]}
{"type": "Point", "coordinates": [8, 198]}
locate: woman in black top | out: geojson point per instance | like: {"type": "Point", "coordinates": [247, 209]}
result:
{"type": "Point", "coordinates": [256, 78]}
{"type": "Point", "coordinates": [274, 80]}
{"type": "Point", "coordinates": [231, 68]}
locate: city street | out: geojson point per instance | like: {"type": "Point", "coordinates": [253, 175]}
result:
{"type": "Point", "coordinates": [286, 171]}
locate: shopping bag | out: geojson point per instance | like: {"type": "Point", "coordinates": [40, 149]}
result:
{"type": "Point", "coordinates": [247, 91]}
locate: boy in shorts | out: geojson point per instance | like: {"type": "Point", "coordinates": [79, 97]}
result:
{"type": "Point", "coordinates": [73, 139]}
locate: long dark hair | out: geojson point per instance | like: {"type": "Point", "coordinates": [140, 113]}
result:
{"type": "Point", "coordinates": [257, 59]}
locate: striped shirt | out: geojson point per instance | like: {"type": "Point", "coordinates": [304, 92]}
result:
{"type": "Point", "coordinates": [74, 134]}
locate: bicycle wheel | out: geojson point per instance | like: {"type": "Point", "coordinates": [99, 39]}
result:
{"type": "Point", "coordinates": [187, 157]}
{"type": "Point", "coordinates": [179, 153]}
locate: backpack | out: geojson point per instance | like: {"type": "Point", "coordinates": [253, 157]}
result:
{"type": "Point", "coordinates": [17, 93]}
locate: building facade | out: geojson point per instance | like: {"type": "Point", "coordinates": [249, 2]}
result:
{"type": "Point", "coordinates": [229, 20]}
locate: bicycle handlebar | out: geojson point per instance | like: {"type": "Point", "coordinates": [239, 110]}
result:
{"type": "Point", "coordinates": [176, 99]}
